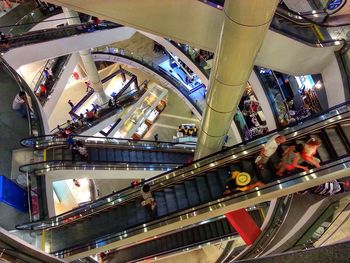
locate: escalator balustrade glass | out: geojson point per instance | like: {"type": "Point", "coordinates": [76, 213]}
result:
{"type": "Point", "coordinates": [196, 190]}
{"type": "Point", "coordinates": [108, 153]}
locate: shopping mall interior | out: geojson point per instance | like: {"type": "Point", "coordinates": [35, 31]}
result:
{"type": "Point", "coordinates": [204, 131]}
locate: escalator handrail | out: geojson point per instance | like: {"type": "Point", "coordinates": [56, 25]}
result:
{"type": "Point", "coordinates": [229, 199]}
{"type": "Point", "coordinates": [66, 31]}
{"type": "Point", "coordinates": [19, 24]}
{"type": "Point", "coordinates": [154, 179]}
{"type": "Point", "coordinates": [130, 165]}
{"type": "Point", "coordinates": [266, 235]}
{"type": "Point", "coordinates": [53, 141]}
{"type": "Point", "coordinates": [121, 99]}
{"type": "Point", "coordinates": [157, 179]}
{"type": "Point", "coordinates": [280, 129]}
{"type": "Point", "coordinates": [284, 11]}
{"type": "Point", "coordinates": [173, 81]}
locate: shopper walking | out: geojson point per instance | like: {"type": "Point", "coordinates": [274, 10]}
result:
{"type": "Point", "coordinates": [156, 137]}
{"type": "Point", "coordinates": [310, 149]}
{"type": "Point", "coordinates": [47, 74]}
{"type": "Point", "coordinates": [148, 201]}
{"type": "Point", "coordinates": [88, 86]}
{"type": "Point", "coordinates": [269, 149]}
{"type": "Point", "coordinates": [20, 104]}
{"type": "Point", "coordinates": [71, 103]}
{"type": "Point", "coordinates": [291, 160]}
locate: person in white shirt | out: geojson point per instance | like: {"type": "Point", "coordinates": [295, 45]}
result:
{"type": "Point", "coordinates": [269, 149]}
{"type": "Point", "coordinates": [20, 103]}
{"type": "Point", "coordinates": [148, 201]}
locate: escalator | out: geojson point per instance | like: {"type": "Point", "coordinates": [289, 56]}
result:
{"type": "Point", "coordinates": [193, 193]}
{"type": "Point", "coordinates": [295, 25]}
{"type": "Point", "coordinates": [107, 152]}
{"type": "Point", "coordinates": [216, 230]}
{"type": "Point", "coordinates": [44, 35]}
{"type": "Point", "coordinates": [286, 22]}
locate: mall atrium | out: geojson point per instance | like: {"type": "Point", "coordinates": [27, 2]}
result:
{"type": "Point", "coordinates": [168, 131]}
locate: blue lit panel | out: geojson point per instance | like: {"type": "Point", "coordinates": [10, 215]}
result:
{"type": "Point", "coordinates": [13, 195]}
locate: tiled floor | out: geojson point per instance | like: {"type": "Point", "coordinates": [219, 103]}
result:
{"type": "Point", "coordinates": [140, 45]}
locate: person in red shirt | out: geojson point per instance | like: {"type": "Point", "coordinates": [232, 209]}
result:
{"type": "Point", "coordinates": [42, 91]}
{"type": "Point", "coordinates": [90, 116]}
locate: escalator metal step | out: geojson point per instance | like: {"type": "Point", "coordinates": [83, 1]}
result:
{"type": "Point", "coordinates": [93, 154]}
{"type": "Point", "coordinates": [219, 228]}
{"type": "Point", "coordinates": [223, 174]}
{"type": "Point", "coordinates": [214, 186]}
{"type": "Point", "coordinates": [118, 156]}
{"type": "Point", "coordinates": [153, 157]}
{"type": "Point", "coordinates": [248, 166]}
{"type": "Point", "coordinates": [236, 167]}
{"type": "Point", "coordinates": [125, 156]}
{"type": "Point", "coordinates": [214, 230]}
{"type": "Point", "coordinates": [110, 155]}
{"type": "Point", "coordinates": [161, 203]}
{"type": "Point", "coordinates": [141, 212]}
{"type": "Point", "coordinates": [207, 231]}
{"type": "Point", "coordinates": [228, 228]}
{"type": "Point", "coordinates": [202, 233]}
{"type": "Point", "coordinates": [160, 156]}
{"type": "Point", "coordinates": [195, 233]}
{"type": "Point", "coordinates": [346, 129]}
{"type": "Point", "coordinates": [337, 142]}
{"type": "Point", "coordinates": [147, 156]}
{"type": "Point", "coordinates": [191, 193]}
{"type": "Point", "coordinates": [132, 214]}
{"type": "Point", "coordinates": [203, 189]}
{"type": "Point", "coordinates": [166, 157]}
{"type": "Point", "coordinates": [102, 155]}
{"type": "Point", "coordinates": [170, 200]}
{"type": "Point", "coordinates": [140, 156]}
{"type": "Point", "coordinates": [133, 156]}
{"type": "Point", "coordinates": [181, 197]}
{"type": "Point", "coordinates": [322, 149]}
{"type": "Point", "coordinates": [67, 154]}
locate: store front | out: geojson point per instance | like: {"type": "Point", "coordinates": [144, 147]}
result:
{"type": "Point", "coordinates": [293, 98]}
{"type": "Point", "coordinates": [143, 114]}
{"type": "Point", "coordinates": [250, 119]}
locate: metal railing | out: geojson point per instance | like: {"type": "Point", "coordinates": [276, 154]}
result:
{"type": "Point", "coordinates": [107, 50]}
{"type": "Point", "coordinates": [200, 166]}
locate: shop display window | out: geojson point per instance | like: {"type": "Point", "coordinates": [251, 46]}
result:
{"type": "Point", "coordinates": [250, 119]}
{"type": "Point", "coordinates": [144, 114]}
{"type": "Point", "coordinates": [293, 98]}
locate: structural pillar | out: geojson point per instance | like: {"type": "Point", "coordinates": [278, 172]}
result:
{"type": "Point", "coordinates": [244, 27]}
{"type": "Point", "coordinates": [88, 62]}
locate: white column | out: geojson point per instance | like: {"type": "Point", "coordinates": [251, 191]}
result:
{"type": "Point", "coordinates": [89, 64]}
{"type": "Point", "coordinates": [243, 31]}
